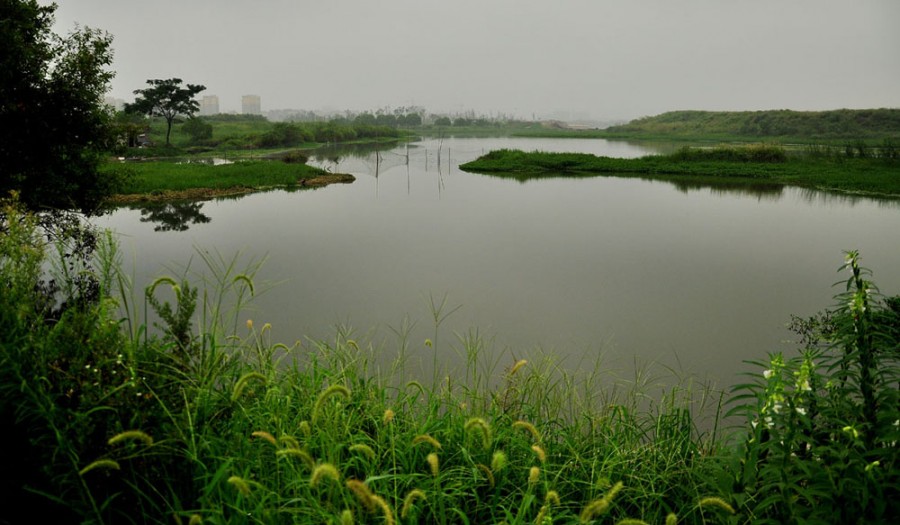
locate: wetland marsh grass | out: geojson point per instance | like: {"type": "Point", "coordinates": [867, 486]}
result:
{"type": "Point", "coordinates": [150, 177]}
{"type": "Point", "coordinates": [201, 418]}
{"type": "Point", "coordinates": [851, 172]}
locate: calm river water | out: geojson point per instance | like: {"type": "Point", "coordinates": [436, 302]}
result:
{"type": "Point", "coordinates": [696, 279]}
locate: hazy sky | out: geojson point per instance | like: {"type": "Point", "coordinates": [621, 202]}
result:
{"type": "Point", "coordinates": [604, 58]}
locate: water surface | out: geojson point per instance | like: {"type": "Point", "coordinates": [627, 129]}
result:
{"type": "Point", "coordinates": [694, 278]}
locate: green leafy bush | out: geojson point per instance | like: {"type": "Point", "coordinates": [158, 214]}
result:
{"type": "Point", "coordinates": [824, 426]}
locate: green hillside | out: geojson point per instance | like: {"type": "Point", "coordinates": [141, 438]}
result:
{"type": "Point", "coordinates": [841, 124]}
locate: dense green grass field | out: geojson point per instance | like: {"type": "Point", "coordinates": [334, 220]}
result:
{"type": "Point", "coordinates": [159, 176]}
{"type": "Point", "coordinates": [760, 163]}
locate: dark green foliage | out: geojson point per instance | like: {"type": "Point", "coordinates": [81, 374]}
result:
{"type": "Point", "coordinates": [53, 125]}
{"type": "Point", "coordinates": [817, 168]}
{"type": "Point", "coordinates": [824, 425]}
{"type": "Point", "coordinates": [167, 99]}
{"type": "Point", "coordinates": [198, 129]}
{"type": "Point", "coordinates": [285, 135]}
{"type": "Point", "coordinates": [749, 153]}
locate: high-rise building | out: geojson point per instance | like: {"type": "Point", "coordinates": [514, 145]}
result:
{"type": "Point", "coordinates": [209, 105]}
{"type": "Point", "coordinates": [115, 103]}
{"type": "Point", "coordinates": [250, 105]}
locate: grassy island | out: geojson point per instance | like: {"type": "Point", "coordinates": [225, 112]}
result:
{"type": "Point", "coordinates": [167, 180]}
{"type": "Point", "coordinates": [819, 168]}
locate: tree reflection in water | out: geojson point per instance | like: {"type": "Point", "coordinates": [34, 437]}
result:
{"type": "Point", "coordinates": [173, 216]}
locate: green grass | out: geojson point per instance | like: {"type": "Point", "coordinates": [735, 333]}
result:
{"type": "Point", "coordinates": [202, 417]}
{"type": "Point", "coordinates": [774, 125]}
{"type": "Point", "coordinates": [157, 176]}
{"type": "Point", "coordinates": [762, 164]}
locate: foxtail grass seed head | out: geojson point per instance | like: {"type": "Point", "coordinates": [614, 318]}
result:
{"type": "Point", "coordinates": [352, 343]}
{"type": "Point", "coordinates": [600, 506]}
{"type": "Point", "coordinates": [240, 484]}
{"type": "Point", "coordinates": [631, 521]}
{"type": "Point", "coordinates": [347, 517]}
{"type": "Point", "coordinates": [498, 461]}
{"type": "Point", "coordinates": [388, 417]}
{"type": "Point", "coordinates": [99, 464]}
{"type": "Point", "coordinates": [131, 435]}
{"type": "Point", "coordinates": [305, 428]}
{"type": "Point", "coordinates": [672, 519]}
{"type": "Point", "coordinates": [159, 281]}
{"type": "Point", "coordinates": [433, 464]}
{"type": "Point", "coordinates": [593, 509]}
{"type": "Point", "coordinates": [366, 450]}
{"type": "Point", "coordinates": [528, 427]}
{"type": "Point", "coordinates": [333, 390]}
{"type": "Point", "coordinates": [196, 519]}
{"type": "Point", "coordinates": [487, 473]}
{"type": "Point", "coordinates": [425, 438]}
{"type": "Point", "coordinates": [249, 324]}
{"type": "Point", "coordinates": [385, 509]}
{"type": "Point", "coordinates": [716, 503]}
{"type": "Point", "coordinates": [262, 434]}
{"type": "Point", "coordinates": [362, 493]}
{"type": "Point", "coordinates": [515, 368]}
{"type": "Point", "coordinates": [325, 470]}
{"type": "Point", "coordinates": [410, 500]}
{"type": "Point", "coordinates": [428, 343]}
{"type": "Point", "coordinates": [479, 424]}
{"type": "Point", "coordinates": [418, 386]}
{"type": "Point", "coordinates": [246, 280]}
{"type": "Point", "coordinates": [289, 441]}
{"type": "Point", "coordinates": [242, 383]}
{"type": "Point", "coordinates": [552, 498]}
{"type": "Point", "coordinates": [534, 474]}
{"type": "Point", "coordinates": [542, 456]}
{"type": "Point", "coordinates": [298, 453]}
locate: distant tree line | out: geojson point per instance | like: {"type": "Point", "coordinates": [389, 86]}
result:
{"type": "Point", "coordinates": [294, 134]}
{"type": "Point", "coordinates": [836, 124]}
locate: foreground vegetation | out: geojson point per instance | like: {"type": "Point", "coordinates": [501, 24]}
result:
{"type": "Point", "coordinates": [200, 417]}
{"type": "Point", "coordinates": [845, 170]}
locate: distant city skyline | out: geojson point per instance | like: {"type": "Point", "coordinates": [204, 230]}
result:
{"type": "Point", "coordinates": [598, 58]}
{"type": "Point", "coordinates": [251, 105]}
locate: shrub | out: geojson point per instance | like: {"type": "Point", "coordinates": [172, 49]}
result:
{"type": "Point", "coordinates": [823, 426]}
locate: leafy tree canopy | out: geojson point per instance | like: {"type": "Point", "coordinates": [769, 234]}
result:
{"type": "Point", "coordinates": [167, 99]}
{"type": "Point", "coordinates": [53, 123]}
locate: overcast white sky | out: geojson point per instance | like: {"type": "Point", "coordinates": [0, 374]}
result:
{"type": "Point", "coordinates": [615, 59]}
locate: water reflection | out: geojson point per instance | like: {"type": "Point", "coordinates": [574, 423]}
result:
{"type": "Point", "coordinates": [740, 187]}
{"type": "Point", "coordinates": [813, 196]}
{"type": "Point", "coordinates": [173, 216]}
{"type": "Point", "coordinates": [756, 189]}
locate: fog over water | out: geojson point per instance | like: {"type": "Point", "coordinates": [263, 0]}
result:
{"type": "Point", "coordinates": [599, 59]}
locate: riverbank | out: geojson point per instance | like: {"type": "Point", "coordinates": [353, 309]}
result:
{"type": "Point", "coordinates": [159, 181]}
{"type": "Point", "coordinates": [770, 164]}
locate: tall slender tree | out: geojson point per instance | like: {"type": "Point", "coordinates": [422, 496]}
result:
{"type": "Point", "coordinates": [167, 99]}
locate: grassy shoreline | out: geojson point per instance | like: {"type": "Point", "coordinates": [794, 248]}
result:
{"type": "Point", "coordinates": [164, 181]}
{"type": "Point", "coordinates": [877, 177]}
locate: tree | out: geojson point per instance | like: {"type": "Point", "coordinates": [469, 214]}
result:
{"type": "Point", "coordinates": [54, 126]}
{"type": "Point", "coordinates": [167, 99]}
